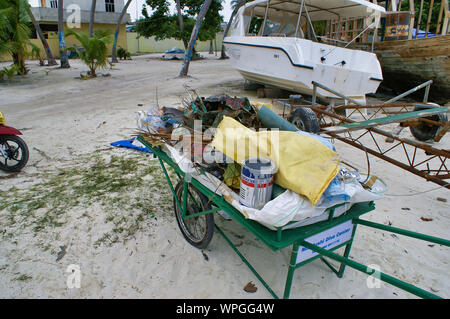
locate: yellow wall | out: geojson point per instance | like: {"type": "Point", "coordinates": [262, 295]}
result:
{"type": "Point", "coordinates": [150, 45]}
{"type": "Point", "coordinates": [70, 41]}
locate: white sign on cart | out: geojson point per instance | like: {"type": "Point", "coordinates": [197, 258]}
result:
{"type": "Point", "coordinates": [328, 239]}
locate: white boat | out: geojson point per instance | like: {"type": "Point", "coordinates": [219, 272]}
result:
{"type": "Point", "coordinates": [286, 52]}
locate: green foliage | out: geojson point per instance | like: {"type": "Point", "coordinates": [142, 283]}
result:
{"type": "Point", "coordinates": [425, 10]}
{"type": "Point", "coordinates": [123, 54]}
{"type": "Point", "coordinates": [255, 25]}
{"type": "Point", "coordinates": [15, 31]}
{"type": "Point", "coordinates": [163, 25]}
{"type": "Point", "coordinates": [8, 72]}
{"type": "Point", "coordinates": [93, 51]}
{"type": "Point", "coordinates": [36, 53]}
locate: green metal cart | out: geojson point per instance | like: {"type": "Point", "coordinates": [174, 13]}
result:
{"type": "Point", "coordinates": [194, 205]}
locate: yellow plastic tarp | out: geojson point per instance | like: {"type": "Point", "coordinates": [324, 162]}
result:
{"type": "Point", "coordinates": [305, 165]}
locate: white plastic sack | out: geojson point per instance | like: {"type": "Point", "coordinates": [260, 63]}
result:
{"type": "Point", "coordinates": [150, 117]}
{"type": "Point", "coordinates": [289, 206]}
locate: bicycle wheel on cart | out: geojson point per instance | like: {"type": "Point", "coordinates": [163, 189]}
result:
{"type": "Point", "coordinates": [198, 231]}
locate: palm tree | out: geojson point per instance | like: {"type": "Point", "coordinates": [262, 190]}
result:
{"type": "Point", "coordinates": [94, 52]}
{"type": "Point", "coordinates": [91, 21]}
{"type": "Point", "coordinates": [236, 5]}
{"type": "Point", "coordinates": [50, 59]}
{"type": "Point", "coordinates": [116, 34]}
{"type": "Point", "coordinates": [62, 43]}
{"type": "Point", "coordinates": [187, 58]}
{"type": "Point", "coordinates": [15, 32]}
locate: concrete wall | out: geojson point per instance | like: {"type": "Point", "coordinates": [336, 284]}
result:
{"type": "Point", "coordinates": [150, 45]}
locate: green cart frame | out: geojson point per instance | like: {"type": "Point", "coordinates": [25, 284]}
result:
{"type": "Point", "coordinates": [299, 238]}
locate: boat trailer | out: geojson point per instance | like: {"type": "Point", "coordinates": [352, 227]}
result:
{"type": "Point", "coordinates": [358, 125]}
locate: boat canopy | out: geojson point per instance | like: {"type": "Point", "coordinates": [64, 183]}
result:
{"type": "Point", "coordinates": [317, 9]}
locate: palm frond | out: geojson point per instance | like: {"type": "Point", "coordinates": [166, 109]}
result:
{"type": "Point", "coordinates": [94, 51]}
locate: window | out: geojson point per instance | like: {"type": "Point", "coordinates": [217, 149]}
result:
{"type": "Point", "coordinates": [271, 27]}
{"type": "Point", "coordinates": [109, 5]}
{"type": "Point", "coordinates": [53, 3]}
{"type": "Point", "coordinates": [288, 30]}
{"type": "Point", "coordinates": [49, 30]}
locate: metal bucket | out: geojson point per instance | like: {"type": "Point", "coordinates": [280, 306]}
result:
{"type": "Point", "coordinates": [256, 182]}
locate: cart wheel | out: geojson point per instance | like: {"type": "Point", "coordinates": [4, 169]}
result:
{"type": "Point", "coordinates": [426, 131]}
{"type": "Point", "coordinates": [198, 231]}
{"type": "Point", "coordinates": [305, 119]}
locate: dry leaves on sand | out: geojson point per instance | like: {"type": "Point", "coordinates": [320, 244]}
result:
{"type": "Point", "coordinates": [250, 287]}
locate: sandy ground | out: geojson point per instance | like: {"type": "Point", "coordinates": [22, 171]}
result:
{"type": "Point", "coordinates": [68, 125]}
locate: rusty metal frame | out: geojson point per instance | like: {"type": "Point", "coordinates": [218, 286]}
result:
{"type": "Point", "coordinates": [428, 168]}
{"type": "Point", "coordinates": [419, 158]}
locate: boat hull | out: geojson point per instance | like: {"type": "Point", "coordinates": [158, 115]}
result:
{"type": "Point", "coordinates": [408, 63]}
{"type": "Point", "coordinates": [293, 64]}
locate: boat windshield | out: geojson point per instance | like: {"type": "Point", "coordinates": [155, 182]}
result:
{"type": "Point", "coordinates": [309, 19]}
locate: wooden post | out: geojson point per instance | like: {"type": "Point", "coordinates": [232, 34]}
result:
{"type": "Point", "coordinates": [441, 10]}
{"type": "Point", "coordinates": [430, 13]}
{"type": "Point", "coordinates": [419, 19]}
{"type": "Point", "coordinates": [348, 30]}
{"type": "Point", "coordinates": [412, 15]}
{"type": "Point", "coordinates": [393, 5]}
{"type": "Point", "coordinates": [446, 18]}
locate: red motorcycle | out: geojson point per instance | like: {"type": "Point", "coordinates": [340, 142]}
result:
{"type": "Point", "coordinates": [13, 150]}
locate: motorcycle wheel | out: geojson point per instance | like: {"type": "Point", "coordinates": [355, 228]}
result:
{"type": "Point", "coordinates": [16, 153]}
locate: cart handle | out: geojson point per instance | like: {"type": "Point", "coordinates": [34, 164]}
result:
{"type": "Point", "coordinates": [431, 239]}
{"type": "Point", "coordinates": [370, 271]}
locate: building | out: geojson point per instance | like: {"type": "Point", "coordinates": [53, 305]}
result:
{"type": "Point", "coordinates": [77, 17]}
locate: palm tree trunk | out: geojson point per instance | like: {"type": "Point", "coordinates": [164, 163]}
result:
{"type": "Point", "coordinates": [211, 48]}
{"type": "Point", "coordinates": [91, 21]}
{"type": "Point", "coordinates": [19, 61]}
{"type": "Point", "coordinates": [181, 23]}
{"type": "Point", "coordinates": [116, 35]}
{"type": "Point", "coordinates": [50, 59]}
{"type": "Point", "coordinates": [194, 34]}
{"type": "Point", "coordinates": [62, 43]}
{"type": "Point", "coordinates": [227, 29]}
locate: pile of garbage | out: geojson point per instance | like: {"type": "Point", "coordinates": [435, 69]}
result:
{"type": "Point", "coordinates": [263, 165]}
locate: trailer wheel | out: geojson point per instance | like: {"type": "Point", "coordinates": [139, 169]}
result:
{"type": "Point", "coordinates": [305, 119]}
{"type": "Point", "coordinates": [426, 131]}
{"type": "Point", "coordinates": [198, 231]}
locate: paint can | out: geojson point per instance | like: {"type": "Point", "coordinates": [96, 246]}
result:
{"type": "Point", "coordinates": [256, 182]}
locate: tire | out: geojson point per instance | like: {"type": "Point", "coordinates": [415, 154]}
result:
{"type": "Point", "coordinates": [425, 131]}
{"type": "Point", "coordinates": [198, 231]}
{"type": "Point", "coordinates": [17, 152]}
{"type": "Point", "coordinates": [305, 119]}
